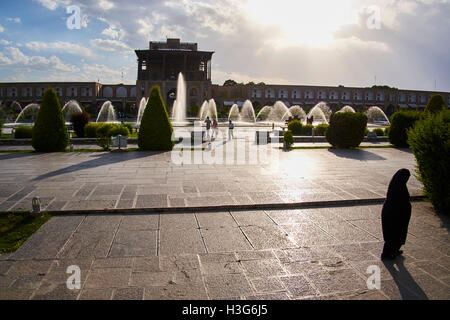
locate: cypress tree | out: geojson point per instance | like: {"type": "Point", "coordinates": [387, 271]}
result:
{"type": "Point", "coordinates": [155, 132]}
{"type": "Point", "coordinates": [50, 131]}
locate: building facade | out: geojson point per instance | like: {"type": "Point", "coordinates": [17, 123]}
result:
{"type": "Point", "coordinates": [163, 61]}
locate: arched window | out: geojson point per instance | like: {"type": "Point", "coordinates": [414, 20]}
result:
{"type": "Point", "coordinates": [121, 92]}
{"type": "Point", "coordinates": [107, 92]}
{"type": "Point", "coordinates": [193, 92]}
{"type": "Point", "coordinates": [133, 92]}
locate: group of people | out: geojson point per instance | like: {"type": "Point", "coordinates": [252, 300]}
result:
{"type": "Point", "coordinates": [214, 125]}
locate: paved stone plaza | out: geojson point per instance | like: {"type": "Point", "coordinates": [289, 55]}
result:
{"type": "Point", "coordinates": [306, 253]}
{"type": "Point", "coordinates": [88, 181]}
{"type": "Point", "coordinates": [320, 253]}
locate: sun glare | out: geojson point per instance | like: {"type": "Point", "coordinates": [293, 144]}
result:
{"type": "Point", "coordinates": [303, 22]}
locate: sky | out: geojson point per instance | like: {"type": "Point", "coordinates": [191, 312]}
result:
{"type": "Point", "coordinates": [399, 43]}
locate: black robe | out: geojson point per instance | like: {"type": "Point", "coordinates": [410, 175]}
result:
{"type": "Point", "coordinates": [396, 212]}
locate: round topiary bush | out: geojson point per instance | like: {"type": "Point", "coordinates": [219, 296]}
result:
{"type": "Point", "coordinates": [288, 139]}
{"type": "Point", "coordinates": [117, 129]}
{"type": "Point", "coordinates": [401, 121]}
{"type": "Point", "coordinates": [379, 132]}
{"type": "Point", "coordinates": [435, 104]}
{"type": "Point", "coordinates": [430, 144]}
{"type": "Point", "coordinates": [129, 126]}
{"type": "Point", "coordinates": [23, 132]}
{"type": "Point", "coordinates": [386, 131]}
{"type": "Point", "coordinates": [79, 121]}
{"type": "Point", "coordinates": [90, 129]}
{"type": "Point", "coordinates": [295, 127]}
{"type": "Point", "coordinates": [50, 131]}
{"type": "Point", "coordinates": [155, 132]}
{"type": "Point", "coordinates": [346, 129]}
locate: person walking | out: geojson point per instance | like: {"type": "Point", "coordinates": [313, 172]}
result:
{"type": "Point", "coordinates": [215, 129]}
{"type": "Point", "coordinates": [395, 215]}
{"type": "Point", "coordinates": [208, 127]}
{"type": "Point", "coordinates": [230, 130]}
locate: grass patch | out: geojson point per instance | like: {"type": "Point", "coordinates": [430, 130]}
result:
{"type": "Point", "coordinates": [16, 227]}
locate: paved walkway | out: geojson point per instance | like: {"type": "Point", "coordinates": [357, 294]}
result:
{"type": "Point", "coordinates": [320, 253]}
{"type": "Point", "coordinates": [96, 181]}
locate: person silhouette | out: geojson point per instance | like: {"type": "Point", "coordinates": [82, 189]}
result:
{"type": "Point", "coordinates": [395, 215]}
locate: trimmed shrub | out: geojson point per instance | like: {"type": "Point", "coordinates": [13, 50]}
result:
{"type": "Point", "coordinates": [436, 104]}
{"type": "Point", "coordinates": [90, 130]}
{"type": "Point", "coordinates": [79, 121]}
{"type": "Point", "coordinates": [1, 126]}
{"type": "Point", "coordinates": [296, 127]}
{"type": "Point", "coordinates": [107, 130]}
{"type": "Point", "coordinates": [401, 121]}
{"type": "Point", "coordinates": [307, 130]}
{"type": "Point", "coordinates": [289, 139]}
{"type": "Point", "coordinates": [117, 129]}
{"type": "Point", "coordinates": [155, 132]}
{"type": "Point", "coordinates": [50, 131]}
{"type": "Point", "coordinates": [321, 130]}
{"type": "Point", "coordinates": [129, 126]}
{"type": "Point", "coordinates": [23, 132]}
{"type": "Point", "coordinates": [386, 131]}
{"type": "Point", "coordinates": [379, 132]}
{"type": "Point", "coordinates": [346, 129]}
{"type": "Point", "coordinates": [430, 143]}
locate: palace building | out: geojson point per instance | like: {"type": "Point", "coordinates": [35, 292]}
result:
{"type": "Point", "coordinates": [161, 63]}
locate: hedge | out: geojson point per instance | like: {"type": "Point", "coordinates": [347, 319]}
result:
{"type": "Point", "coordinates": [288, 139]}
{"type": "Point", "coordinates": [90, 130]}
{"type": "Point", "coordinates": [321, 130]}
{"type": "Point", "coordinates": [430, 143]}
{"type": "Point", "coordinates": [23, 132]}
{"type": "Point", "coordinates": [50, 131]}
{"type": "Point", "coordinates": [155, 131]}
{"type": "Point", "coordinates": [401, 121]}
{"type": "Point", "coordinates": [346, 129]}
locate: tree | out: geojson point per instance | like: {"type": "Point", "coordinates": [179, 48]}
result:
{"type": "Point", "coordinates": [435, 104]}
{"type": "Point", "coordinates": [50, 131]}
{"type": "Point", "coordinates": [229, 83]}
{"type": "Point", "coordinates": [155, 132]}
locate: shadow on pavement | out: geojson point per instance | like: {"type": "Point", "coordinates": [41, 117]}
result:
{"type": "Point", "coordinates": [99, 160]}
{"type": "Point", "coordinates": [355, 154]}
{"type": "Point", "coordinates": [407, 286]}
{"type": "Point", "coordinates": [9, 156]}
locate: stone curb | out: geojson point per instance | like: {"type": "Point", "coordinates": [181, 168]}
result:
{"type": "Point", "coordinates": [287, 206]}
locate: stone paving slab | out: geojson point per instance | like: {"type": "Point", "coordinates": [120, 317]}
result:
{"type": "Point", "coordinates": [191, 256]}
{"type": "Point", "coordinates": [97, 181]}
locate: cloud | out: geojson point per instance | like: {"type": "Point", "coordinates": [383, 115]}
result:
{"type": "Point", "coordinates": [4, 42]}
{"type": "Point", "coordinates": [110, 45]}
{"type": "Point", "coordinates": [53, 4]}
{"type": "Point", "coordinates": [61, 47]}
{"type": "Point", "coordinates": [106, 5]}
{"type": "Point", "coordinates": [12, 57]}
{"type": "Point", "coordinates": [2, 29]}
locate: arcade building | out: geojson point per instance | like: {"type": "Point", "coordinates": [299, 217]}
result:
{"type": "Point", "coordinates": [161, 63]}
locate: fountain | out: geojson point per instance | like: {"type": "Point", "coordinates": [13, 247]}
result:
{"type": "Point", "coordinates": [70, 108]}
{"type": "Point", "coordinates": [31, 111]}
{"type": "Point", "coordinates": [321, 113]}
{"type": "Point", "coordinates": [247, 113]}
{"type": "Point", "coordinates": [234, 113]}
{"type": "Point", "coordinates": [141, 110]}
{"type": "Point", "coordinates": [295, 111]}
{"type": "Point", "coordinates": [107, 113]}
{"type": "Point", "coordinates": [16, 106]}
{"type": "Point", "coordinates": [347, 109]}
{"type": "Point", "coordinates": [179, 106]}
{"type": "Point", "coordinates": [278, 112]}
{"type": "Point", "coordinates": [263, 114]}
{"type": "Point", "coordinates": [375, 114]}
{"type": "Point", "coordinates": [208, 109]}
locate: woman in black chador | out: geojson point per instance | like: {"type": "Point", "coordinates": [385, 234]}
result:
{"type": "Point", "coordinates": [396, 214]}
